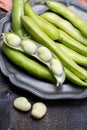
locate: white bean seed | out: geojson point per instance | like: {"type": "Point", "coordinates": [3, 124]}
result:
{"type": "Point", "coordinates": [38, 110]}
{"type": "Point", "coordinates": [28, 46]}
{"type": "Point", "coordinates": [12, 39]}
{"type": "Point", "coordinates": [44, 53]}
{"type": "Point", "coordinates": [22, 104]}
{"type": "Point", "coordinates": [56, 66]}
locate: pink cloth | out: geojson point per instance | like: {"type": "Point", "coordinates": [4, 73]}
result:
{"type": "Point", "coordinates": [83, 1]}
{"type": "Point", "coordinates": [6, 4]}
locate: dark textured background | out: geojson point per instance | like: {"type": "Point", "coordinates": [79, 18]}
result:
{"type": "Point", "coordinates": [61, 115]}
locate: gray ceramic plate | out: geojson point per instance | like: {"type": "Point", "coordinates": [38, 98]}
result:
{"type": "Point", "coordinates": [21, 79]}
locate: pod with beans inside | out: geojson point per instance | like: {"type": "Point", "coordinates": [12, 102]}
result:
{"type": "Point", "coordinates": [29, 65]}
{"type": "Point", "coordinates": [38, 51]}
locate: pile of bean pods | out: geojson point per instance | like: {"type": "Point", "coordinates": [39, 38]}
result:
{"type": "Point", "coordinates": [56, 39]}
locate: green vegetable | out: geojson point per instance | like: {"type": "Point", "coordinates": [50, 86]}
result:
{"type": "Point", "coordinates": [72, 43]}
{"type": "Point", "coordinates": [80, 59]}
{"type": "Point", "coordinates": [17, 11]}
{"type": "Point", "coordinates": [62, 10]}
{"type": "Point", "coordinates": [74, 79]}
{"type": "Point", "coordinates": [30, 25]}
{"type": "Point", "coordinates": [65, 26]}
{"type": "Point", "coordinates": [47, 27]}
{"type": "Point", "coordinates": [29, 65]}
{"type": "Point", "coordinates": [32, 48]}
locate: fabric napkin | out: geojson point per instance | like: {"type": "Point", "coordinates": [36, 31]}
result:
{"type": "Point", "coordinates": [83, 1]}
{"type": "Point", "coordinates": [6, 4]}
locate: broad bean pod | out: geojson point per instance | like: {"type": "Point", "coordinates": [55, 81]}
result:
{"type": "Point", "coordinates": [17, 11]}
{"type": "Point", "coordinates": [74, 79]}
{"type": "Point", "coordinates": [39, 52]}
{"type": "Point", "coordinates": [29, 65]}
{"type": "Point", "coordinates": [72, 43]}
{"type": "Point", "coordinates": [80, 59]}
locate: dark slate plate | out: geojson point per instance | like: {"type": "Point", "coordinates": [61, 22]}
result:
{"type": "Point", "coordinates": [21, 79]}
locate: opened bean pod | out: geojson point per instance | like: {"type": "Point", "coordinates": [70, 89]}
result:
{"type": "Point", "coordinates": [38, 51]}
{"type": "Point", "coordinates": [32, 67]}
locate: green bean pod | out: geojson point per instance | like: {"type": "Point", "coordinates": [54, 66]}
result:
{"type": "Point", "coordinates": [30, 25]}
{"type": "Point", "coordinates": [65, 26]}
{"type": "Point", "coordinates": [32, 67]}
{"type": "Point", "coordinates": [17, 11]}
{"type": "Point", "coordinates": [80, 59]}
{"type": "Point", "coordinates": [72, 43]}
{"type": "Point", "coordinates": [39, 52]}
{"type": "Point", "coordinates": [74, 79]}
{"type": "Point", "coordinates": [62, 10]}
{"type": "Point", "coordinates": [47, 27]}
